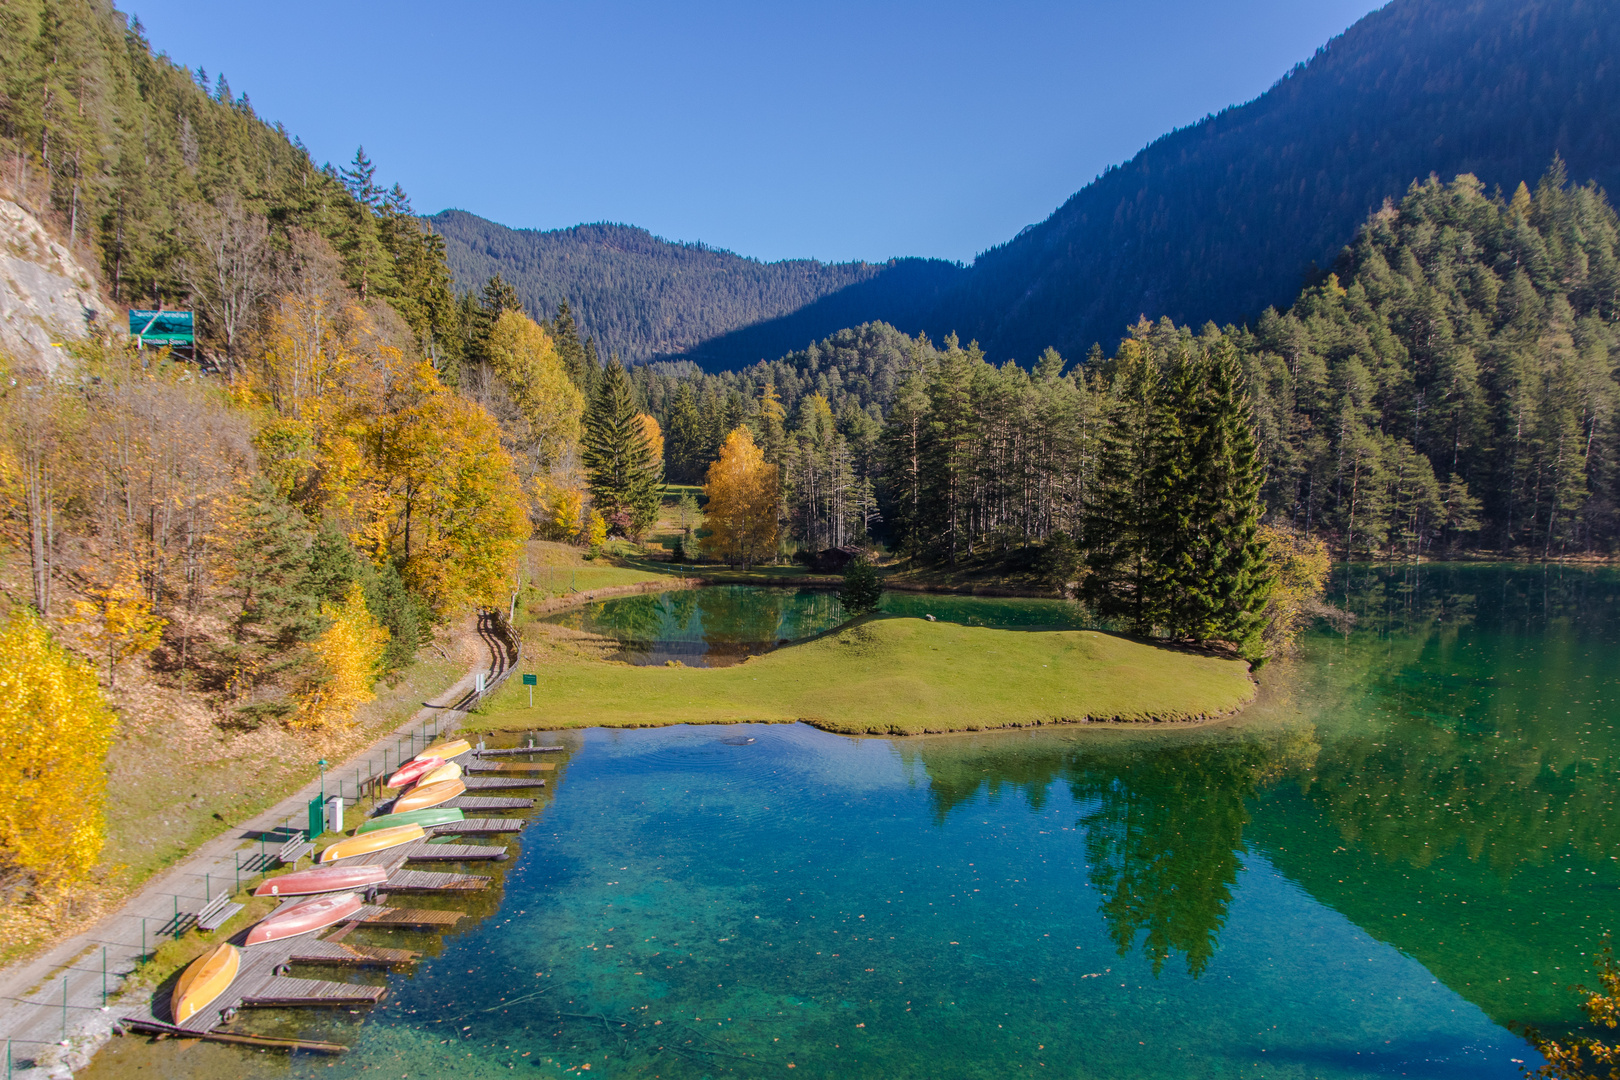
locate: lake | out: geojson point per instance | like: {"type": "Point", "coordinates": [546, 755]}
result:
{"type": "Point", "coordinates": [1405, 846]}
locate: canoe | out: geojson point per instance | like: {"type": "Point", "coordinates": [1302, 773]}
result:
{"type": "Point", "coordinates": [433, 815]}
{"type": "Point", "coordinates": [447, 749]}
{"type": "Point", "coordinates": [323, 879]}
{"type": "Point", "coordinates": [414, 770]}
{"type": "Point", "coordinates": [448, 771]}
{"type": "Point", "coordinates": [305, 917]}
{"type": "Point", "coordinates": [424, 796]}
{"type": "Point", "coordinates": [200, 985]}
{"type": "Point", "coordinates": [366, 843]}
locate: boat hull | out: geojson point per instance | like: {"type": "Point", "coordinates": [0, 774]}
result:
{"type": "Point", "coordinates": [201, 984]}
{"type": "Point", "coordinates": [449, 748]}
{"type": "Point", "coordinates": [420, 798]}
{"type": "Point", "coordinates": [428, 818]}
{"type": "Point", "coordinates": [448, 771]}
{"type": "Point", "coordinates": [305, 917]}
{"type": "Point", "coordinates": [366, 843]}
{"type": "Point", "coordinates": [324, 879]}
{"type": "Point", "coordinates": [413, 770]}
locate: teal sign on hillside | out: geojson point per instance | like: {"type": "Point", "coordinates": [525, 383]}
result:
{"type": "Point", "coordinates": [162, 327]}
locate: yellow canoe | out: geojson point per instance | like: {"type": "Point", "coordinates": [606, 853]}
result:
{"type": "Point", "coordinates": [377, 840]}
{"type": "Point", "coordinates": [448, 771]}
{"type": "Point", "coordinates": [425, 795]}
{"type": "Point", "coordinates": [208, 976]}
{"type": "Point", "coordinates": [447, 749]}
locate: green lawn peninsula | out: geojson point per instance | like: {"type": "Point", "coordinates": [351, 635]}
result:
{"type": "Point", "coordinates": [883, 676]}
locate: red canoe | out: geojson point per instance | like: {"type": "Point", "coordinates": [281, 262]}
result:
{"type": "Point", "coordinates": [305, 917]}
{"type": "Point", "coordinates": [414, 771]}
{"type": "Point", "coordinates": [323, 879]}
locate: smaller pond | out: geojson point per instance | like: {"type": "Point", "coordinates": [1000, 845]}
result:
{"type": "Point", "coordinates": [723, 624]}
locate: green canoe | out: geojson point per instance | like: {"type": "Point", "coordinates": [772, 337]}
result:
{"type": "Point", "coordinates": [433, 815]}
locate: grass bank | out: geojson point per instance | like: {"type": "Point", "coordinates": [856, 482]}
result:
{"type": "Point", "coordinates": [883, 675]}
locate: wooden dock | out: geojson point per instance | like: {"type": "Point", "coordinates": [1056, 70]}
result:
{"type": "Point", "coordinates": [510, 767]}
{"type": "Point", "coordinates": [404, 918]}
{"type": "Point", "coordinates": [427, 881]}
{"type": "Point", "coordinates": [280, 991]}
{"type": "Point", "coordinates": [499, 783]}
{"type": "Point", "coordinates": [517, 750]}
{"type": "Point", "coordinates": [480, 826]}
{"type": "Point", "coordinates": [477, 802]}
{"type": "Point", "coordinates": [423, 852]}
{"type": "Point", "coordinates": [336, 954]}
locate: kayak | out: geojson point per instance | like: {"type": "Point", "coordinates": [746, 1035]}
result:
{"type": "Point", "coordinates": [200, 985]}
{"type": "Point", "coordinates": [447, 749]}
{"type": "Point", "coordinates": [423, 796]}
{"type": "Point", "coordinates": [366, 843]}
{"type": "Point", "coordinates": [414, 770]}
{"type": "Point", "coordinates": [305, 917]}
{"type": "Point", "coordinates": [433, 815]}
{"type": "Point", "coordinates": [448, 771]}
{"type": "Point", "coordinates": [323, 879]}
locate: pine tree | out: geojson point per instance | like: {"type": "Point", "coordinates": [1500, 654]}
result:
{"type": "Point", "coordinates": [619, 463]}
{"type": "Point", "coordinates": [684, 445]}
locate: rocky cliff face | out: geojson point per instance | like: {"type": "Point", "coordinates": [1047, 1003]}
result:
{"type": "Point", "coordinates": [46, 295]}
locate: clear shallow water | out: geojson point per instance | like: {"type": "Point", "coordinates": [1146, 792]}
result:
{"type": "Point", "coordinates": [722, 624]}
{"type": "Point", "coordinates": [1406, 844]}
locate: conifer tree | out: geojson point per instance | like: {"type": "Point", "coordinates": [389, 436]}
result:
{"type": "Point", "coordinates": [623, 477]}
{"type": "Point", "coordinates": [684, 443]}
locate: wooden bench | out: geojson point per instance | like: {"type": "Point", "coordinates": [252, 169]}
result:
{"type": "Point", "coordinates": [294, 849]}
{"type": "Point", "coordinates": [216, 912]}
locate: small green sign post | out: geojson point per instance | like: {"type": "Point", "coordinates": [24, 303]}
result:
{"type": "Point", "coordinates": [531, 681]}
{"type": "Point", "coordinates": [317, 817]}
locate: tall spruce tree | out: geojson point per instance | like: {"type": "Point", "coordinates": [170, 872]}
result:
{"type": "Point", "coordinates": [684, 444]}
{"type": "Point", "coordinates": [619, 462]}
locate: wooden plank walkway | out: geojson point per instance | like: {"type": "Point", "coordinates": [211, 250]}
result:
{"type": "Point", "coordinates": [337, 954]}
{"type": "Point", "coordinates": [457, 852]}
{"type": "Point", "coordinates": [413, 918]}
{"type": "Point", "coordinates": [517, 750]}
{"type": "Point", "coordinates": [499, 783]}
{"type": "Point", "coordinates": [480, 826]}
{"type": "Point", "coordinates": [477, 802]}
{"type": "Point", "coordinates": [427, 881]}
{"type": "Point", "coordinates": [282, 990]}
{"type": "Point", "coordinates": [510, 767]}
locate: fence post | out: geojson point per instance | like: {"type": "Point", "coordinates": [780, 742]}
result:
{"type": "Point", "coordinates": [176, 899]}
{"type": "Point", "coordinates": [64, 1008]}
{"type": "Point", "coordinates": [104, 976]}
{"type": "Point", "coordinates": [143, 940]}
{"type": "Point", "coordinates": [237, 856]}
{"type": "Point", "coordinates": [208, 889]}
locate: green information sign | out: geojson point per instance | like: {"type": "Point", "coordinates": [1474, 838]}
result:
{"type": "Point", "coordinates": [162, 327]}
{"type": "Point", "coordinates": [531, 680]}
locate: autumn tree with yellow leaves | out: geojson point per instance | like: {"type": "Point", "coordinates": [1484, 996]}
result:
{"type": "Point", "coordinates": [118, 621]}
{"type": "Point", "coordinates": [347, 654]}
{"type": "Point", "coordinates": [55, 731]}
{"type": "Point", "coordinates": [743, 496]}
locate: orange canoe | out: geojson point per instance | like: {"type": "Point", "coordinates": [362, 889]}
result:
{"type": "Point", "coordinates": [446, 750]}
{"type": "Point", "coordinates": [200, 985]}
{"type": "Point", "coordinates": [366, 843]}
{"type": "Point", "coordinates": [413, 770]}
{"type": "Point", "coordinates": [305, 917]}
{"type": "Point", "coordinates": [425, 795]}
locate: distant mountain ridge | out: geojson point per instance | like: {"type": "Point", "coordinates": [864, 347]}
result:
{"type": "Point", "coordinates": [646, 298]}
{"type": "Point", "coordinates": [1214, 221]}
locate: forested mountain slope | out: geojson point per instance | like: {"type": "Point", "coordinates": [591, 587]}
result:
{"type": "Point", "coordinates": [1220, 219]}
{"type": "Point", "coordinates": [645, 298]}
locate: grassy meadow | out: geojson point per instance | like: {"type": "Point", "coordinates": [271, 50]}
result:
{"type": "Point", "coordinates": [879, 676]}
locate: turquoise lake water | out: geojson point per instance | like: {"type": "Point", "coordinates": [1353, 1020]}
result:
{"type": "Point", "coordinates": [1406, 846]}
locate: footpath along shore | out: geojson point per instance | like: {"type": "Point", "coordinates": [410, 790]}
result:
{"type": "Point", "coordinates": [52, 1007]}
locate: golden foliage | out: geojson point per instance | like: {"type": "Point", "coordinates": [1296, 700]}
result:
{"type": "Point", "coordinates": [743, 496]}
{"type": "Point", "coordinates": [558, 510]}
{"type": "Point", "coordinates": [596, 531]}
{"type": "Point", "coordinates": [654, 434]}
{"type": "Point", "coordinates": [1580, 1059]}
{"type": "Point", "coordinates": [1301, 565]}
{"type": "Point", "coordinates": [524, 356]}
{"type": "Point", "coordinates": [55, 731]}
{"type": "Point", "coordinates": [347, 655]}
{"type": "Point", "coordinates": [118, 620]}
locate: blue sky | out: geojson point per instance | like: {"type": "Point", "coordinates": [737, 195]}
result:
{"type": "Point", "coordinates": [830, 130]}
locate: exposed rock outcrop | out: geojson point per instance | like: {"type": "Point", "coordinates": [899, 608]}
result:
{"type": "Point", "coordinates": [46, 295]}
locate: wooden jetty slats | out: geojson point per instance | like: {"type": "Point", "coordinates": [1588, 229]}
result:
{"type": "Point", "coordinates": [336, 953]}
{"type": "Point", "coordinates": [283, 990]}
{"type": "Point", "coordinates": [499, 783]}
{"type": "Point", "coordinates": [484, 802]}
{"type": "Point", "coordinates": [414, 918]}
{"type": "Point", "coordinates": [517, 750]}
{"type": "Point", "coordinates": [158, 1027]}
{"type": "Point", "coordinates": [456, 852]}
{"type": "Point", "coordinates": [479, 826]}
{"type": "Point", "coordinates": [424, 881]}
{"type": "Point", "coordinates": [510, 767]}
